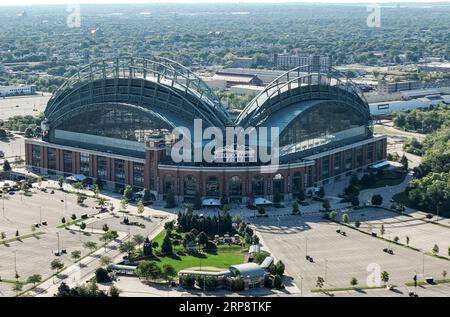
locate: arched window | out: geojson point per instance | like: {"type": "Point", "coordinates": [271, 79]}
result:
{"type": "Point", "coordinates": [278, 184]}
{"type": "Point", "coordinates": [235, 187]}
{"type": "Point", "coordinates": [168, 184]}
{"type": "Point", "coordinates": [212, 187]}
{"type": "Point", "coordinates": [258, 186]}
{"type": "Point", "coordinates": [296, 183]}
{"type": "Point", "coordinates": [189, 186]}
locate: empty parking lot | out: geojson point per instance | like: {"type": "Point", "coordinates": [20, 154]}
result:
{"type": "Point", "coordinates": [338, 258]}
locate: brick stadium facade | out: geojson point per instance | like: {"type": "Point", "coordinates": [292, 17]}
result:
{"type": "Point", "coordinates": [73, 143]}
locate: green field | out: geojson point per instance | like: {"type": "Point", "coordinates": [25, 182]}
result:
{"type": "Point", "coordinates": [221, 260]}
{"type": "Point", "coordinates": [226, 256]}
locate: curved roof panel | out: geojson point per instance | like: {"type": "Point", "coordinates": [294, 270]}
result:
{"type": "Point", "coordinates": [133, 78]}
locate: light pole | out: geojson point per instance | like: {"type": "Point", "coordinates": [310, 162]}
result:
{"type": "Point", "coordinates": [57, 235]}
{"type": "Point", "coordinates": [301, 286]}
{"type": "Point", "coordinates": [306, 246]}
{"type": "Point", "coordinates": [423, 264]}
{"type": "Point", "coordinates": [326, 270]}
{"type": "Point", "coordinates": [15, 265]}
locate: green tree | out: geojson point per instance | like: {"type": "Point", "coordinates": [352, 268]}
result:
{"type": "Point", "coordinates": [148, 270]}
{"type": "Point", "coordinates": [435, 249]}
{"type": "Point", "coordinates": [279, 268]}
{"type": "Point", "coordinates": [320, 282]}
{"type": "Point", "coordinates": [114, 291]}
{"type": "Point", "coordinates": [146, 197]}
{"type": "Point", "coordinates": [6, 166]}
{"type": "Point", "coordinates": [138, 239]}
{"type": "Point", "coordinates": [377, 200]}
{"type": "Point", "coordinates": [140, 207]}
{"type": "Point", "coordinates": [295, 208]}
{"type": "Point", "coordinates": [124, 204]}
{"type": "Point", "coordinates": [75, 255]}
{"type": "Point", "coordinates": [261, 210]}
{"type": "Point", "coordinates": [60, 182]}
{"type": "Point", "coordinates": [105, 260]}
{"type": "Point", "coordinates": [385, 277]}
{"type": "Point", "coordinates": [127, 247]}
{"type": "Point", "coordinates": [29, 132]}
{"type": "Point", "coordinates": [166, 247]}
{"type": "Point", "coordinates": [18, 286]}
{"type": "Point", "coordinates": [147, 249]}
{"type": "Point", "coordinates": [168, 272]}
{"type": "Point", "coordinates": [404, 162]}
{"type": "Point", "coordinates": [90, 245]}
{"type": "Point", "coordinates": [202, 239]}
{"type": "Point", "coordinates": [56, 265]}
{"type": "Point", "coordinates": [345, 218]}
{"type": "Point", "coordinates": [332, 214]}
{"type": "Point", "coordinates": [34, 279]}
{"type": "Point", "coordinates": [96, 190]}
{"type": "Point", "coordinates": [277, 282]}
{"type": "Point", "coordinates": [128, 193]}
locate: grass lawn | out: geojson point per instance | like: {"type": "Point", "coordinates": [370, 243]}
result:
{"type": "Point", "coordinates": [389, 179]}
{"type": "Point", "coordinates": [402, 198]}
{"type": "Point", "coordinates": [226, 255]}
{"type": "Point", "coordinates": [221, 260]}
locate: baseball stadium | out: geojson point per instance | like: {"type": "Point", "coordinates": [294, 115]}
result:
{"type": "Point", "coordinates": [113, 121]}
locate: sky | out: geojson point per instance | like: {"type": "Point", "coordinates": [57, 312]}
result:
{"type": "Point", "coordinates": [53, 2]}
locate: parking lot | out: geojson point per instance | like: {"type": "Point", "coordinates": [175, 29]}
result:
{"type": "Point", "coordinates": [422, 235]}
{"type": "Point", "coordinates": [338, 258]}
{"type": "Point", "coordinates": [33, 254]}
{"type": "Point", "coordinates": [23, 105]}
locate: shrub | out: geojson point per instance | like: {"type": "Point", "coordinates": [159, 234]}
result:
{"type": "Point", "coordinates": [187, 281]}
{"type": "Point", "coordinates": [377, 200]}
{"type": "Point", "coordinates": [101, 275]}
{"type": "Point", "coordinates": [237, 284]}
{"type": "Point", "coordinates": [277, 282]}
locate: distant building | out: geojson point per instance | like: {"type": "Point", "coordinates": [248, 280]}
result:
{"type": "Point", "coordinates": [316, 61]}
{"type": "Point", "coordinates": [385, 87]}
{"type": "Point", "coordinates": [382, 109]}
{"type": "Point", "coordinates": [17, 90]}
{"type": "Point", "coordinates": [231, 79]}
{"type": "Point", "coordinates": [436, 67]}
{"type": "Point", "coordinates": [246, 90]}
{"type": "Point", "coordinates": [266, 75]}
{"type": "Point", "coordinates": [244, 62]}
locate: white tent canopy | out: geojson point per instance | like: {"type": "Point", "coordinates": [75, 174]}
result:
{"type": "Point", "coordinates": [211, 202]}
{"type": "Point", "coordinates": [262, 201]}
{"type": "Point", "coordinates": [380, 165]}
{"type": "Point", "coordinates": [76, 178]}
